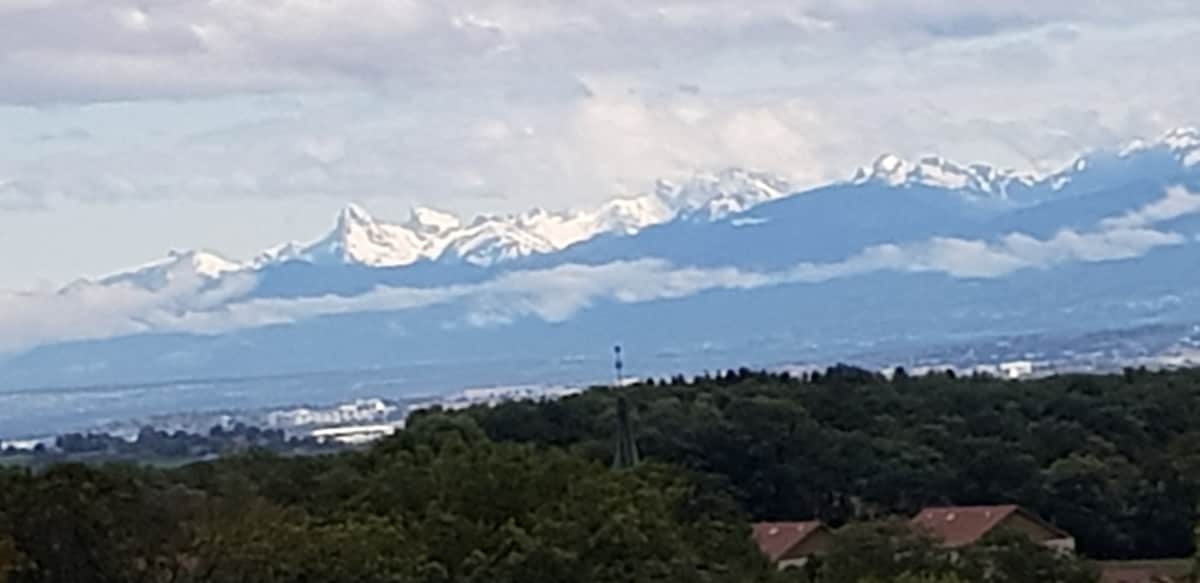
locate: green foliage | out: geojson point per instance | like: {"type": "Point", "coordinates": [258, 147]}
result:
{"type": "Point", "coordinates": [892, 552]}
{"type": "Point", "coordinates": [911, 578]}
{"type": "Point", "coordinates": [11, 560]}
{"type": "Point", "coordinates": [156, 446]}
{"type": "Point", "coordinates": [626, 455]}
{"type": "Point", "coordinates": [525, 492]}
{"type": "Point", "coordinates": [1115, 460]}
{"type": "Point", "coordinates": [439, 503]}
{"type": "Point", "coordinates": [1003, 556]}
{"type": "Point", "coordinates": [876, 551]}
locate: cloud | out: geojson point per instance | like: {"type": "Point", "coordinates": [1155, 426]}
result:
{"type": "Point", "coordinates": [18, 196]}
{"type": "Point", "coordinates": [67, 135]}
{"type": "Point", "coordinates": [88, 310]}
{"type": "Point", "coordinates": [1178, 202]}
{"type": "Point", "coordinates": [972, 258]}
{"type": "Point", "coordinates": [557, 294]}
{"type": "Point", "coordinates": [78, 51]}
{"type": "Point", "coordinates": [389, 94]}
{"type": "Point", "coordinates": [499, 105]}
{"type": "Point", "coordinates": [190, 303]}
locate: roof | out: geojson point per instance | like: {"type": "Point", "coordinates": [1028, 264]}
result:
{"type": "Point", "coordinates": [962, 525]}
{"type": "Point", "coordinates": [775, 539]}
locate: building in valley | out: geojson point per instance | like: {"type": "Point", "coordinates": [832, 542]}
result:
{"type": "Point", "coordinates": [958, 526]}
{"type": "Point", "coordinates": [791, 544]}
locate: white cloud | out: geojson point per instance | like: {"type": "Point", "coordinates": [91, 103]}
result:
{"type": "Point", "coordinates": [90, 310]}
{"type": "Point", "coordinates": [558, 293]}
{"type": "Point", "coordinates": [1176, 203]}
{"type": "Point", "coordinates": [193, 304]}
{"type": "Point", "coordinates": [809, 89]}
{"type": "Point", "coordinates": [970, 258]}
{"type": "Point", "coordinates": [498, 105]}
{"type": "Point", "coordinates": [16, 195]}
{"type": "Point", "coordinates": [232, 46]}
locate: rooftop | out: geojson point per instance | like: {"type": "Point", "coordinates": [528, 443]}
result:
{"type": "Point", "coordinates": [777, 538]}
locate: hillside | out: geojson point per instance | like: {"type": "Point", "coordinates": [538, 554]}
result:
{"type": "Point", "coordinates": [525, 491]}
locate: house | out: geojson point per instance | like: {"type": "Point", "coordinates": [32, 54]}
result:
{"type": "Point", "coordinates": [958, 526]}
{"type": "Point", "coordinates": [1013, 370]}
{"type": "Point", "coordinates": [790, 544]}
{"type": "Point", "coordinates": [1017, 369]}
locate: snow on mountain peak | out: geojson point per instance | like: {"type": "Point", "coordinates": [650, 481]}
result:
{"type": "Point", "coordinates": [432, 220]}
{"type": "Point", "coordinates": [281, 253]}
{"type": "Point", "coordinates": [1180, 139]}
{"type": "Point", "coordinates": [942, 172]}
{"type": "Point", "coordinates": [486, 239]}
{"type": "Point", "coordinates": [358, 238]}
{"type": "Point", "coordinates": [1182, 142]}
{"type": "Point", "coordinates": [207, 264]}
{"type": "Point", "coordinates": [889, 169]}
{"type": "Point", "coordinates": [175, 266]}
{"type": "Point", "coordinates": [1185, 144]}
{"type": "Point", "coordinates": [713, 196]}
{"type": "Point", "coordinates": [939, 172]}
{"type": "Point", "coordinates": [352, 215]}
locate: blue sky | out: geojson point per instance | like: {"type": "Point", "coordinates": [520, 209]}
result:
{"type": "Point", "coordinates": [131, 128]}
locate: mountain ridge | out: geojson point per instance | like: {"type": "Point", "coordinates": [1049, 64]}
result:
{"type": "Point", "coordinates": [359, 238]}
{"type": "Point", "coordinates": [1109, 240]}
{"type": "Point", "coordinates": [432, 236]}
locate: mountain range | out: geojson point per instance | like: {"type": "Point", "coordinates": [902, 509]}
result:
{"type": "Point", "coordinates": [358, 238]}
{"type": "Point", "coordinates": [734, 266]}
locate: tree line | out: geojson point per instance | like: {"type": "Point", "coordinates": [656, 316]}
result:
{"type": "Point", "coordinates": [437, 503]}
{"type": "Point", "coordinates": [528, 491]}
{"type": "Point", "coordinates": [1113, 459]}
{"type": "Point", "coordinates": [161, 446]}
{"type": "Point", "coordinates": [440, 503]}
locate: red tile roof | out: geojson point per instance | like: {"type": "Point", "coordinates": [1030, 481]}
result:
{"type": "Point", "coordinates": [777, 538]}
{"type": "Point", "coordinates": [956, 526]}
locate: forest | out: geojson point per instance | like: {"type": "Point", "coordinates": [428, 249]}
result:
{"type": "Point", "coordinates": [528, 491]}
{"type": "Point", "coordinates": [1113, 459]}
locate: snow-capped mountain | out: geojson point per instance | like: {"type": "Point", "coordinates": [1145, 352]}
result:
{"type": "Point", "coordinates": [1174, 155]}
{"type": "Point", "coordinates": [358, 238]}
{"type": "Point", "coordinates": [731, 259]}
{"type": "Point", "coordinates": [716, 196]}
{"type": "Point", "coordinates": [434, 236]}
{"type": "Point", "coordinates": [1179, 147]}
{"type": "Point", "coordinates": [178, 265]}
{"type": "Point", "coordinates": [429, 234]}
{"type": "Point", "coordinates": [1184, 143]}
{"type": "Point", "coordinates": [938, 172]}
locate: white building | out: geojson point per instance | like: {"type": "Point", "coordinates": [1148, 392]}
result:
{"type": "Point", "coordinates": [1017, 369]}
{"type": "Point", "coordinates": [355, 434]}
{"type": "Point", "coordinates": [362, 410]}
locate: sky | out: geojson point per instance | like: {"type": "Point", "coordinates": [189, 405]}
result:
{"type": "Point", "coordinates": [128, 129]}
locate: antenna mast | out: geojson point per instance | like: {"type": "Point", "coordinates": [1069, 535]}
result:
{"type": "Point", "coordinates": [619, 365]}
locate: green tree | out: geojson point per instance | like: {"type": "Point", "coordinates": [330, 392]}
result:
{"type": "Point", "coordinates": [880, 551]}
{"type": "Point", "coordinates": [626, 455]}
{"type": "Point", "coordinates": [1009, 557]}
{"type": "Point", "coordinates": [11, 560]}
